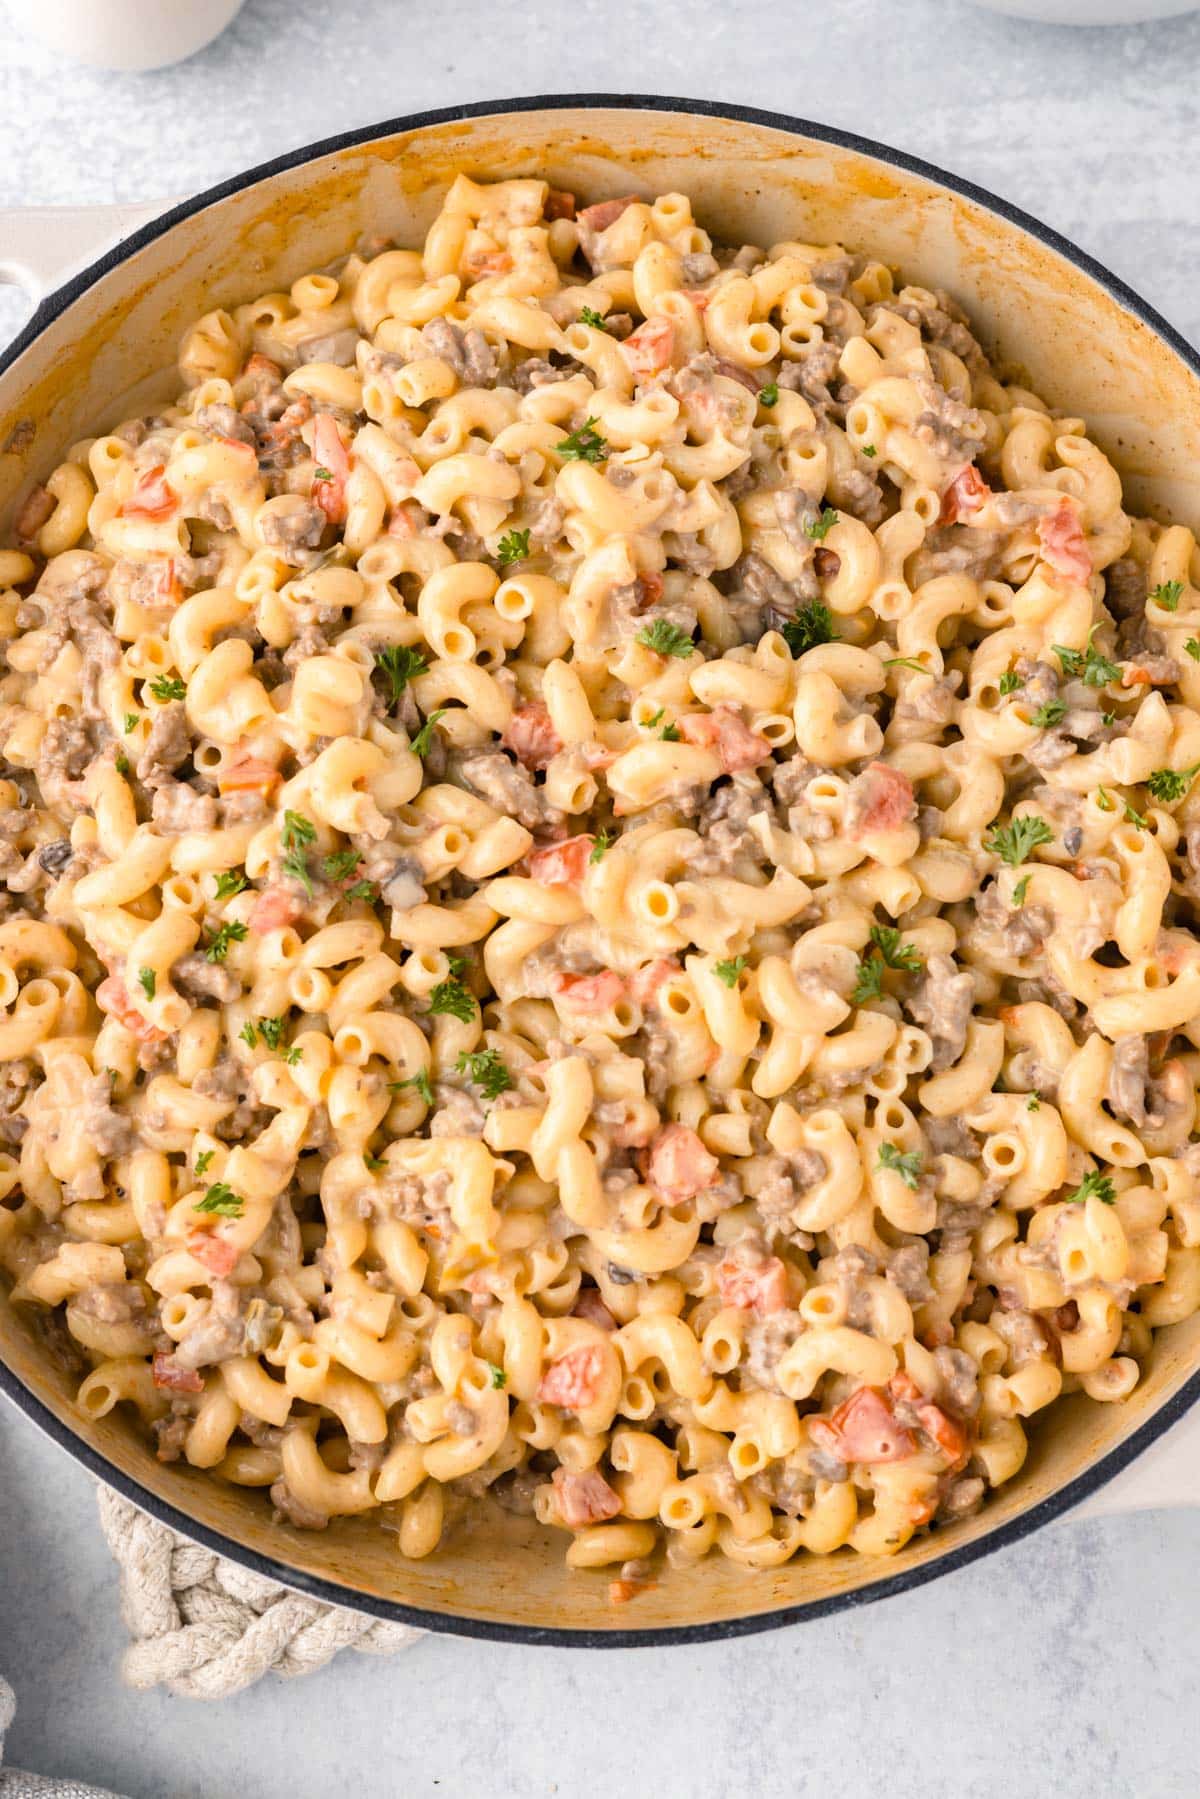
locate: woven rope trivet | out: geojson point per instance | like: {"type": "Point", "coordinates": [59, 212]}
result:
{"type": "Point", "coordinates": [205, 1628]}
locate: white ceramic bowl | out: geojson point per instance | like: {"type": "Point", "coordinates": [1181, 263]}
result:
{"type": "Point", "coordinates": [124, 34]}
{"type": "Point", "coordinates": [1090, 12]}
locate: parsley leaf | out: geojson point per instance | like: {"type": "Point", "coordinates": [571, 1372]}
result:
{"type": "Point", "coordinates": [1168, 595]}
{"type": "Point", "coordinates": [1108, 718]}
{"type": "Point", "coordinates": [819, 528]}
{"type": "Point", "coordinates": [248, 1034]}
{"type": "Point", "coordinates": [121, 763]}
{"type": "Point", "coordinates": [768, 396]}
{"type": "Point", "coordinates": [272, 1029]}
{"type": "Point", "coordinates": [601, 846]}
{"type": "Point", "coordinates": [422, 743]}
{"type": "Point", "coordinates": [888, 951]}
{"type": "Point", "coordinates": [147, 981]}
{"type": "Point", "coordinates": [499, 1378]}
{"type": "Point", "coordinates": [340, 864]}
{"type": "Point", "coordinates": [226, 934]}
{"type": "Point", "coordinates": [293, 1054]}
{"type": "Point", "coordinates": [1094, 1185]}
{"type": "Point", "coordinates": [1171, 784]}
{"type": "Point", "coordinates": [730, 972]}
{"type": "Point", "coordinates": [222, 1200]}
{"type": "Point", "coordinates": [363, 890]}
{"type": "Point", "coordinates": [812, 625]}
{"type": "Point", "coordinates": [583, 445]}
{"type": "Point", "coordinates": [1009, 682]}
{"type": "Point", "coordinates": [869, 450]}
{"type": "Point", "coordinates": [322, 474]}
{"type": "Point", "coordinates": [905, 662]}
{"type": "Point", "coordinates": [374, 1163]}
{"type": "Point", "coordinates": [1020, 890]}
{"type": "Point", "coordinates": [203, 1160]}
{"type": "Point", "coordinates": [1051, 713]}
{"type": "Point", "coordinates": [451, 999]}
{"type": "Point", "coordinates": [420, 1081]}
{"type": "Point", "coordinates": [589, 316]}
{"type": "Point", "coordinates": [906, 1165]}
{"type": "Point", "coordinates": [513, 547]}
{"type": "Point", "coordinates": [399, 664]}
{"type": "Point", "coordinates": [1135, 818]}
{"type": "Point", "coordinates": [485, 1069]}
{"type": "Point", "coordinates": [168, 687]}
{"type": "Point", "coordinates": [1193, 649]}
{"type": "Point", "coordinates": [1096, 670]}
{"type": "Point", "coordinates": [666, 639]}
{"type": "Point", "coordinates": [869, 982]}
{"type": "Point", "coordinates": [671, 734]}
{"type": "Point", "coordinates": [1034, 1102]}
{"type": "Point", "coordinates": [131, 722]}
{"type": "Point", "coordinates": [231, 881]}
{"type": "Point", "coordinates": [1014, 842]}
{"type": "Point", "coordinates": [297, 830]}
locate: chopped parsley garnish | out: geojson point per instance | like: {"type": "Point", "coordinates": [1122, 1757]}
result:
{"type": "Point", "coordinates": [485, 1069]}
{"type": "Point", "coordinates": [869, 450]}
{"type": "Point", "coordinates": [583, 445]}
{"type": "Point", "coordinates": [1170, 783]}
{"type": "Point", "coordinates": [1020, 890]}
{"type": "Point", "coordinates": [1193, 649]}
{"type": "Point", "coordinates": [1094, 1185]}
{"type": "Point", "coordinates": [222, 1200]}
{"type": "Point", "coordinates": [1009, 682]}
{"type": "Point", "coordinates": [768, 396]}
{"type": "Point", "coordinates": [203, 1160]}
{"type": "Point", "coordinates": [666, 639]}
{"type": "Point", "coordinates": [1104, 800]}
{"type": "Point", "coordinates": [589, 316]}
{"type": "Point", "coordinates": [451, 999]}
{"type": "Point", "coordinates": [601, 846]}
{"type": "Point", "coordinates": [1034, 1102]}
{"type": "Point", "coordinates": [131, 722]}
{"type": "Point", "coordinates": [293, 1054]}
{"type": "Point", "coordinates": [422, 743]}
{"type": "Point", "coordinates": [420, 1081]}
{"type": "Point", "coordinates": [225, 934]}
{"type": "Point", "coordinates": [121, 763]}
{"type": "Point", "coordinates": [905, 662]}
{"type": "Point", "coordinates": [1133, 817]}
{"type": "Point", "coordinates": [1013, 843]}
{"type": "Point", "coordinates": [454, 963]}
{"type": "Point", "coordinates": [340, 864]}
{"type": "Point", "coordinates": [730, 972]}
{"type": "Point", "coordinates": [1051, 713]}
{"type": "Point", "coordinates": [248, 1034]}
{"type": "Point", "coordinates": [888, 951]}
{"type": "Point", "coordinates": [297, 831]}
{"type": "Point", "coordinates": [399, 664]}
{"type": "Point", "coordinates": [147, 981]}
{"type": "Point", "coordinates": [671, 734]}
{"type": "Point", "coordinates": [499, 1378]}
{"type": "Point", "coordinates": [1096, 670]}
{"type": "Point", "coordinates": [271, 1030]}
{"type": "Point", "coordinates": [819, 528]}
{"type": "Point", "coordinates": [374, 1163]}
{"type": "Point", "coordinates": [812, 625]}
{"type": "Point", "coordinates": [513, 547]}
{"type": "Point", "coordinates": [168, 687]}
{"type": "Point", "coordinates": [231, 881]}
{"type": "Point", "coordinates": [363, 890]}
{"type": "Point", "coordinates": [322, 474]}
{"type": "Point", "coordinates": [1168, 595]}
{"type": "Point", "coordinates": [906, 1164]}
{"type": "Point", "coordinates": [1108, 718]}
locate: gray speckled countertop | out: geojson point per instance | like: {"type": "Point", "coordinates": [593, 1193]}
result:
{"type": "Point", "coordinates": [1066, 1666]}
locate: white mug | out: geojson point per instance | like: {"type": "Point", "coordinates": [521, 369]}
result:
{"type": "Point", "coordinates": [124, 34]}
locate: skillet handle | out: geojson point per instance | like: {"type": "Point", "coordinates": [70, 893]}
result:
{"type": "Point", "coordinates": [41, 245]}
{"type": "Point", "coordinates": [1164, 1477]}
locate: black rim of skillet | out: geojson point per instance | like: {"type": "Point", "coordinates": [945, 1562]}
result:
{"type": "Point", "coordinates": [560, 1636]}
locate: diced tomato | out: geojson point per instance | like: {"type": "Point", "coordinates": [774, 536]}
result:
{"type": "Point", "coordinates": [948, 1433]}
{"type": "Point", "coordinates": [216, 1252]}
{"type": "Point", "coordinates": [247, 774]}
{"type": "Point", "coordinates": [559, 204]}
{"type": "Point", "coordinates": [650, 590]}
{"type": "Point", "coordinates": [574, 1380]}
{"type": "Point", "coordinates": [166, 586]}
{"type": "Point", "coordinates": [680, 1166]}
{"type": "Point", "coordinates": [274, 908]}
{"type": "Point", "coordinates": [531, 736]}
{"type": "Point", "coordinates": [723, 730]}
{"type": "Point", "coordinates": [333, 458]}
{"type": "Point", "coordinates": [407, 517]}
{"type": "Point", "coordinates": [37, 507]}
{"type": "Point", "coordinates": [649, 349]}
{"type": "Point", "coordinates": [965, 495]}
{"type": "Point", "coordinates": [478, 264]}
{"type": "Point", "coordinates": [563, 864]}
{"type": "Point", "coordinates": [113, 997]}
{"type": "Point", "coordinates": [761, 1289]}
{"type": "Point", "coordinates": [645, 982]}
{"type": "Point", "coordinates": [261, 368]}
{"type": "Point", "coordinates": [152, 497]}
{"type": "Point", "coordinates": [589, 1305]}
{"type": "Point", "coordinates": [168, 1373]}
{"type": "Point", "coordinates": [862, 1429]}
{"type": "Point", "coordinates": [589, 992]}
{"type": "Point", "coordinates": [881, 799]}
{"type": "Point", "coordinates": [1064, 546]}
{"type": "Point", "coordinates": [584, 1498]}
{"type": "Point", "coordinates": [286, 428]}
{"type": "Point", "coordinates": [620, 1592]}
{"type": "Point", "coordinates": [604, 213]}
